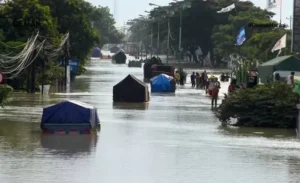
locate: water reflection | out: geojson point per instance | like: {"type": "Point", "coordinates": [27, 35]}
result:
{"type": "Point", "coordinates": [79, 86]}
{"type": "Point", "coordinates": [262, 132]}
{"type": "Point", "coordinates": [19, 136]}
{"type": "Point", "coordinates": [163, 94]}
{"type": "Point", "coordinates": [72, 144]}
{"type": "Point", "coordinates": [294, 169]}
{"type": "Point", "coordinates": [131, 106]}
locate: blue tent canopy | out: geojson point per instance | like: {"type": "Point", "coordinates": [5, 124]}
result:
{"type": "Point", "coordinates": [96, 53]}
{"type": "Point", "coordinates": [161, 83]}
{"type": "Point", "coordinates": [69, 115]}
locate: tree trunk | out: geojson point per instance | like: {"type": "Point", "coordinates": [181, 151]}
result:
{"type": "Point", "coordinates": [33, 66]}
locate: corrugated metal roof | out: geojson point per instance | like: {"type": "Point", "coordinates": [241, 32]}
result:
{"type": "Point", "coordinates": [276, 60]}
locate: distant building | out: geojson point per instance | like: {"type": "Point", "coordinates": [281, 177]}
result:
{"type": "Point", "coordinates": [131, 48]}
{"type": "Point", "coordinates": [114, 49]}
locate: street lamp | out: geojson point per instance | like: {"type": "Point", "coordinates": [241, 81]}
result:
{"type": "Point", "coordinates": [290, 19]}
{"type": "Point", "coordinates": [151, 4]}
{"type": "Point", "coordinates": [170, 13]}
{"type": "Point", "coordinates": [151, 38]}
{"type": "Point", "coordinates": [182, 5]}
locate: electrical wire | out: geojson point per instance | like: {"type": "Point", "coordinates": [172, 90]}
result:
{"type": "Point", "coordinates": [14, 65]}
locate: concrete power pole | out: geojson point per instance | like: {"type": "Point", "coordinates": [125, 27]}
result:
{"type": "Point", "coordinates": [115, 9]}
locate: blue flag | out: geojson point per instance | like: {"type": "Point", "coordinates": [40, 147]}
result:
{"type": "Point", "coordinates": [241, 37]}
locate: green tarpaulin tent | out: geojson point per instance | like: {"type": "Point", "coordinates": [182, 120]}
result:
{"type": "Point", "coordinates": [297, 85]}
{"type": "Point", "coordinates": [283, 63]}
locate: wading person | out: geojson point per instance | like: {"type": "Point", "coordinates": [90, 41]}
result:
{"type": "Point", "coordinates": [182, 77]}
{"type": "Point", "coordinates": [204, 79]}
{"type": "Point", "coordinates": [215, 93]}
{"type": "Point", "coordinates": [177, 77]}
{"type": "Point", "coordinates": [290, 79]}
{"type": "Point", "coordinates": [193, 79]}
{"type": "Point", "coordinates": [197, 80]}
{"type": "Point", "coordinates": [232, 87]}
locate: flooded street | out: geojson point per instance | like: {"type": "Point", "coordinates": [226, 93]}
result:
{"type": "Point", "coordinates": [173, 139]}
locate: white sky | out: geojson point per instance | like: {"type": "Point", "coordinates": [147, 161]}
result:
{"type": "Point", "coordinates": [130, 9]}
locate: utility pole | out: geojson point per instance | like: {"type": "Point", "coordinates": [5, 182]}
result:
{"type": "Point", "coordinates": [151, 42]}
{"type": "Point", "coordinates": [33, 67]}
{"type": "Point", "coordinates": [66, 61]}
{"type": "Point", "coordinates": [43, 68]}
{"type": "Point", "coordinates": [180, 34]}
{"type": "Point", "coordinates": [290, 19]}
{"type": "Point", "coordinates": [157, 39]}
{"type": "Point", "coordinates": [28, 79]}
{"type": "Point", "coordinates": [168, 42]}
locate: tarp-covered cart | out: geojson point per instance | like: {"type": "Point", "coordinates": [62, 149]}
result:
{"type": "Point", "coordinates": [163, 83]}
{"type": "Point", "coordinates": [96, 53]}
{"type": "Point", "coordinates": [119, 57]}
{"type": "Point", "coordinates": [69, 116]}
{"type": "Point", "coordinates": [148, 67]}
{"type": "Point", "coordinates": [130, 89]}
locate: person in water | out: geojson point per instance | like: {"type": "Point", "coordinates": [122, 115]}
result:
{"type": "Point", "coordinates": [177, 77]}
{"type": "Point", "coordinates": [222, 77]}
{"type": "Point", "coordinates": [215, 93]}
{"type": "Point", "coordinates": [193, 77]}
{"type": "Point", "coordinates": [232, 87]}
{"type": "Point", "coordinates": [290, 80]}
{"type": "Point", "coordinates": [182, 78]}
{"type": "Point", "coordinates": [197, 80]}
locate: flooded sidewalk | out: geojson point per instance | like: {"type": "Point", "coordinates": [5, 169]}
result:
{"type": "Point", "coordinates": [175, 138]}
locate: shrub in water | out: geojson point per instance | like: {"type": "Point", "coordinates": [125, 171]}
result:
{"type": "Point", "coordinates": [5, 92]}
{"type": "Point", "coordinates": [271, 105]}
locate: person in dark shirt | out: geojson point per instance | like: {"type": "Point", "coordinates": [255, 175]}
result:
{"type": "Point", "coordinates": [193, 79]}
{"type": "Point", "coordinates": [181, 78]}
{"type": "Point", "coordinates": [215, 93]}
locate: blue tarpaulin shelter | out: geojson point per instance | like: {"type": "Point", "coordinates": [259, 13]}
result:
{"type": "Point", "coordinates": [69, 115]}
{"type": "Point", "coordinates": [96, 53]}
{"type": "Point", "coordinates": [162, 83]}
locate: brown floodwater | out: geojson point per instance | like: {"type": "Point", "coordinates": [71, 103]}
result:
{"type": "Point", "coordinates": [172, 139]}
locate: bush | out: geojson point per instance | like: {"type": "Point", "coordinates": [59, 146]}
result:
{"type": "Point", "coordinates": [271, 105]}
{"type": "Point", "coordinates": [5, 93]}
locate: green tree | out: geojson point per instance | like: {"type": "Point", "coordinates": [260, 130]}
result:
{"type": "Point", "coordinates": [21, 19]}
{"type": "Point", "coordinates": [73, 16]}
{"type": "Point", "coordinates": [216, 32]}
{"type": "Point", "coordinates": [104, 23]}
{"type": "Point", "coordinates": [260, 40]}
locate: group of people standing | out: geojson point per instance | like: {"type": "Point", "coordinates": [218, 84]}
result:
{"type": "Point", "coordinates": [180, 77]}
{"type": "Point", "coordinates": [199, 81]}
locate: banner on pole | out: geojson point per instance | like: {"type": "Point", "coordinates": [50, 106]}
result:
{"type": "Point", "coordinates": [273, 4]}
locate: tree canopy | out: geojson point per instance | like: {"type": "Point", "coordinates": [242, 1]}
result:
{"type": "Point", "coordinates": [88, 26]}
{"type": "Point", "coordinates": [214, 32]}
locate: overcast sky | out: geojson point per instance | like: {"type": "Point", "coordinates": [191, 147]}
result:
{"type": "Point", "coordinates": [130, 9]}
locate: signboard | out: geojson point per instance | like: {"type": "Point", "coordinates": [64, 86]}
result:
{"type": "Point", "coordinates": [1, 77]}
{"type": "Point", "coordinates": [73, 65]}
{"type": "Point", "coordinates": [68, 79]}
